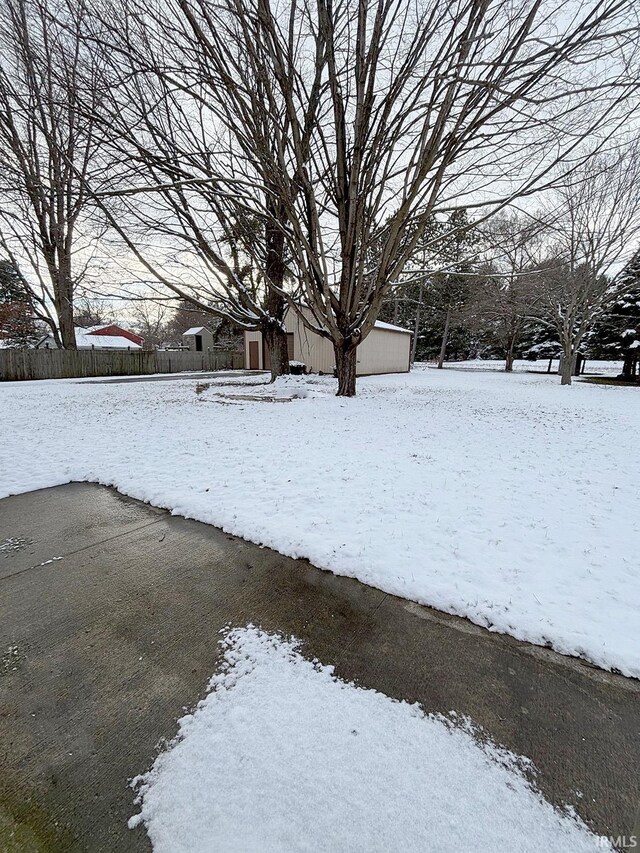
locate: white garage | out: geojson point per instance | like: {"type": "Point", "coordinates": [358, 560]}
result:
{"type": "Point", "coordinates": [386, 349]}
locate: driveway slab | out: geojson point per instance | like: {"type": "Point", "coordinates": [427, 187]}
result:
{"type": "Point", "coordinates": [103, 648]}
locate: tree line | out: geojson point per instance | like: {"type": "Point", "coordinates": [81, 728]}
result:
{"type": "Point", "coordinates": [330, 157]}
{"type": "Point", "coordinates": [550, 282]}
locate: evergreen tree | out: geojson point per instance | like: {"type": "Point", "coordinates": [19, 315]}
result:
{"type": "Point", "coordinates": [452, 288]}
{"type": "Point", "coordinates": [617, 334]}
{"type": "Point", "coordinates": [17, 323]}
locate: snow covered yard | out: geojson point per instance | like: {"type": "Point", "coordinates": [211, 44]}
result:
{"type": "Point", "coordinates": [283, 756]}
{"type": "Point", "coordinates": [593, 366]}
{"type": "Point", "coordinates": [503, 498]}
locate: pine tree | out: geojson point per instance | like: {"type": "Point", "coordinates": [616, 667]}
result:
{"type": "Point", "coordinates": [617, 334]}
{"type": "Point", "coordinates": [452, 288]}
{"type": "Point", "coordinates": [17, 323]}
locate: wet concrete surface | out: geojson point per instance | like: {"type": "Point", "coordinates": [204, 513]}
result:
{"type": "Point", "coordinates": [110, 613]}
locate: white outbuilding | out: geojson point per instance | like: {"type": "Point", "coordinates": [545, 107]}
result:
{"type": "Point", "coordinates": [386, 349]}
{"type": "Point", "coordinates": [198, 339]}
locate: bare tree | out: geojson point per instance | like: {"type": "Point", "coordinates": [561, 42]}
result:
{"type": "Point", "coordinates": [173, 199]}
{"type": "Point", "coordinates": [92, 312]}
{"type": "Point", "coordinates": [410, 300]}
{"type": "Point", "coordinates": [47, 150]}
{"type": "Point", "coordinates": [451, 287]}
{"type": "Point", "coordinates": [370, 115]}
{"type": "Point", "coordinates": [595, 222]}
{"type": "Point", "coordinates": [508, 298]}
{"type": "Point", "coordinates": [184, 316]}
{"type": "Point", "coordinates": [437, 280]}
{"type": "Point", "coordinates": [151, 321]}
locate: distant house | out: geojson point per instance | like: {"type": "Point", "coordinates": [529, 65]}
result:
{"type": "Point", "coordinates": [386, 349]}
{"type": "Point", "coordinates": [96, 338]}
{"type": "Point", "coordinates": [112, 330]}
{"type": "Point", "coordinates": [198, 339]}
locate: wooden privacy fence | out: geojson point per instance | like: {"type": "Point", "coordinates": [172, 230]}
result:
{"type": "Point", "coordinates": [66, 364]}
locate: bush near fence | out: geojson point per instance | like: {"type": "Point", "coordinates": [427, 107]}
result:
{"type": "Point", "coordinates": [16, 364]}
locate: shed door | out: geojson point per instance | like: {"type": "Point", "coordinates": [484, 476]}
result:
{"type": "Point", "coordinates": [254, 356]}
{"type": "Point", "coordinates": [290, 349]}
{"type": "Point", "coordinates": [198, 343]}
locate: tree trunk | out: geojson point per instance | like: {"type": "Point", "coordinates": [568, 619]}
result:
{"type": "Point", "coordinates": [275, 338]}
{"type": "Point", "coordinates": [67, 334]}
{"type": "Point", "coordinates": [416, 326]}
{"type": "Point", "coordinates": [346, 360]}
{"type": "Point", "coordinates": [445, 338]}
{"type": "Point", "coordinates": [566, 368]}
{"type": "Point", "coordinates": [508, 365]}
{"type": "Point", "coordinates": [59, 268]}
{"type": "Point", "coordinates": [64, 312]}
{"type": "Point", "coordinates": [274, 333]}
{"type": "Point", "coordinates": [55, 332]}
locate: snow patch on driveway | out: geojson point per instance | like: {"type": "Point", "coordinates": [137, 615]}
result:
{"type": "Point", "coordinates": [283, 756]}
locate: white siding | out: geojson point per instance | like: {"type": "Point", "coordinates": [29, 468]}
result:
{"type": "Point", "coordinates": [382, 351]}
{"type": "Point", "coordinates": [314, 350]}
{"type": "Point", "coordinates": [190, 340]}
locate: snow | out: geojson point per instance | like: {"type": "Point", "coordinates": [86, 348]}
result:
{"type": "Point", "coordinates": [507, 499]}
{"type": "Point", "coordinates": [283, 756]}
{"type": "Point", "coordinates": [194, 331]}
{"type": "Point", "coordinates": [593, 366]}
{"type": "Point", "coordinates": [85, 340]}
{"type": "Point", "coordinates": [104, 342]}
{"type": "Point", "coordinates": [380, 325]}
{"type": "Point", "coordinates": [248, 387]}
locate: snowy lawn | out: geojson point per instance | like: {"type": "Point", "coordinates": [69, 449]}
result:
{"type": "Point", "coordinates": [283, 756]}
{"type": "Point", "coordinates": [504, 498]}
{"type": "Point", "coordinates": [593, 366]}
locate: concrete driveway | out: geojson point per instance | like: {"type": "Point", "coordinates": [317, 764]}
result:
{"type": "Point", "coordinates": [110, 612]}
